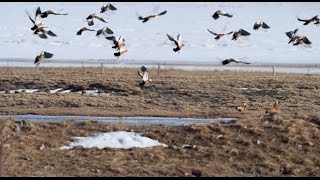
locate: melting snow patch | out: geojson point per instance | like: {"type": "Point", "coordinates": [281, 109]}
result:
{"type": "Point", "coordinates": [119, 139]}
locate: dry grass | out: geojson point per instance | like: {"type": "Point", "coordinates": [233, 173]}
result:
{"type": "Point", "coordinates": [286, 144]}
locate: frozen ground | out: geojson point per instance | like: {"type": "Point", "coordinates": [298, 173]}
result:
{"type": "Point", "coordinates": [148, 41]}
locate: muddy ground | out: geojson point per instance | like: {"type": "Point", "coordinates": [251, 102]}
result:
{"type": "Point", "coordinates": [258, 144]}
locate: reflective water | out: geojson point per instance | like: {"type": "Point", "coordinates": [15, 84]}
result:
{"type": "Point", "coordinates": [123, 120]}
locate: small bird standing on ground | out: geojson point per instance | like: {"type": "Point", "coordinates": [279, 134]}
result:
{"type": "Point", "coordinates": [145, 19]}
{"type": "Point", "coordinates": [179, 43]}
{"type": "Point", "coordinates": [218, 36]}
{"type": "Point", "coordinates": [107, 7]}
{"type": "Point", "coordinates": [242, 108]}
{"type": "Point", "coordinates": [274, 109]}
{"type": "Point", "coordinates": [145, 76]}
{"type": "Point", "coordinates": [219, 13]}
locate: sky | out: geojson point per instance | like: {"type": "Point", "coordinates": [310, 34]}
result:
{"type": "Point", "coordinates": [148, 41]}
{"type": "Point", "coordinates": [117, 139]}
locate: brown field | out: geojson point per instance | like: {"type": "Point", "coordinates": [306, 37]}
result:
{"type": "Point", "coordinates": [287, 144]}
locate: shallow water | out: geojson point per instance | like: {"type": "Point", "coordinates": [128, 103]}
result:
{"type": "Point", "coordinates": [122, 120]}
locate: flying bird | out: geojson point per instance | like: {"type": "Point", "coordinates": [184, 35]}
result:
{"type": "Point", "coordinates": [227, 61]}
{"type": "Point", "coordinates": [145, 19]}
{"type": "Point", "coordinates": [91, 17]}
{"type": "Point", "coordinates": [262, 24]}
{"type": "Point", "coordinates": [218, 36]}
{"type": "Point", "coordinates": [117, 42]}
{"type": "Point", "coordinates": [179, 43]}
{"type": "Point", "coordinates": [292, 35]}
{"type": "Point", "coordinates": [84, 29]}
{"type": "Point", "coordinates": [314, 19]}
{"type": "Point", "coordinates": [42, 56]}
{"type": "Point", "coordinates": [239, 33]}
{"type": "Point", "coordinates": [42, 31]}
{"type": "Point", "coordinates": [301, 40]}
{"type": "Point", "coordinates": [144, 75]}
{"type": "Point", "coordinates": [47, 13]}
{"type": "Point", "coordinates": [107, 7]}
{"type": "Point", "coordinates": [104, 31]}
{"type": "Point", "coordinates": [219, 13]}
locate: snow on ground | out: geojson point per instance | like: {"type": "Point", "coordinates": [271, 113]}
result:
{"type": "Point", "coordinates": [119, 139]}
{"type": "Point", "coordinates": [148, 41]}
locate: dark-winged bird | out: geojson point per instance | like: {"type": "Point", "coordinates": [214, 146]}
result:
{"type": "Point", "coordinates": [145, 19]}
{"type": "Point", "coordinates": [219, 35]}
{"type": "Point", "coordinates": [84, 29]}
{"type": "Point", "coordinates": [262, 24]}
{"type": "Point", "coordinates": [179, 43]}
{"type": "Point", "coordinates": [91, 17]}
{"type": "Point", "coordinates": [239, 33]}
{"type": "Point", "coordinates": [227, 61]}
{"type": "Point", "coordinates": [219, 13]}
{"type": "Point", "coordinates": [107, 7]}
{"type": "Point", "coordinates": [42, 56]}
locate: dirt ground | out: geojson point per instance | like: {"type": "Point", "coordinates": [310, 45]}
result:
{"type": "Point", "coordinates": [286, 144]}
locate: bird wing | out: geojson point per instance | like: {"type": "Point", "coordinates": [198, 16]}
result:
{"type": "Point", "coordinates": [242, 62]}
{"type": "Point", "coordinates": [306, 40]}
{"type": "Point", "coordinates": [100, 18]}
{"type": "Point", "coordinates": [42, 35]}
{"type": "Point", "coordinates": [227, 15]}
{"type": "Point", "coordinates": [51, 33]}
{"type": "Point", "coordinates": [264, 25]}
{"type": "Point", "coordinates": [139, 73]}
{"type": "Point", "coordinates": [244, 33]}
{"type": "Point", "coordinates": [314, 18]}
{"type": "Point", "coordinates": [212, 32]}
{"type": "Point", "coordinates": [30, 17]}
{"type": "Point", "coordinates": [289, 34]}
{"type": "Point", "coordinates": [47, 55]}
{"type": "Point", "coordinates": [229, 33]}
{"type": "Point", "coordinates": [172, 39]}
{"type": "Point", "coordinates": [80, 31]}
{"type": "Point", "coordinates": [304, 20]}
{"type": "Point", "coordinates": [59, 13]}
{"type": "Point", "coordinates": [111, 7]}
{"type": "Point", "coordinates": [109, 31]}
{"type": "Point", "coordinates": [162, 13]}
{"type": "Point", "coordinates": [38, 12]}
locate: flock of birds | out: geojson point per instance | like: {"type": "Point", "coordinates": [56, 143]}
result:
{"type": "Point", "coordinates": [119, 43]}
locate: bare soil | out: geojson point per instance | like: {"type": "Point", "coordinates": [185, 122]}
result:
{"type": "Point", "coordinates": [286, 144]}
